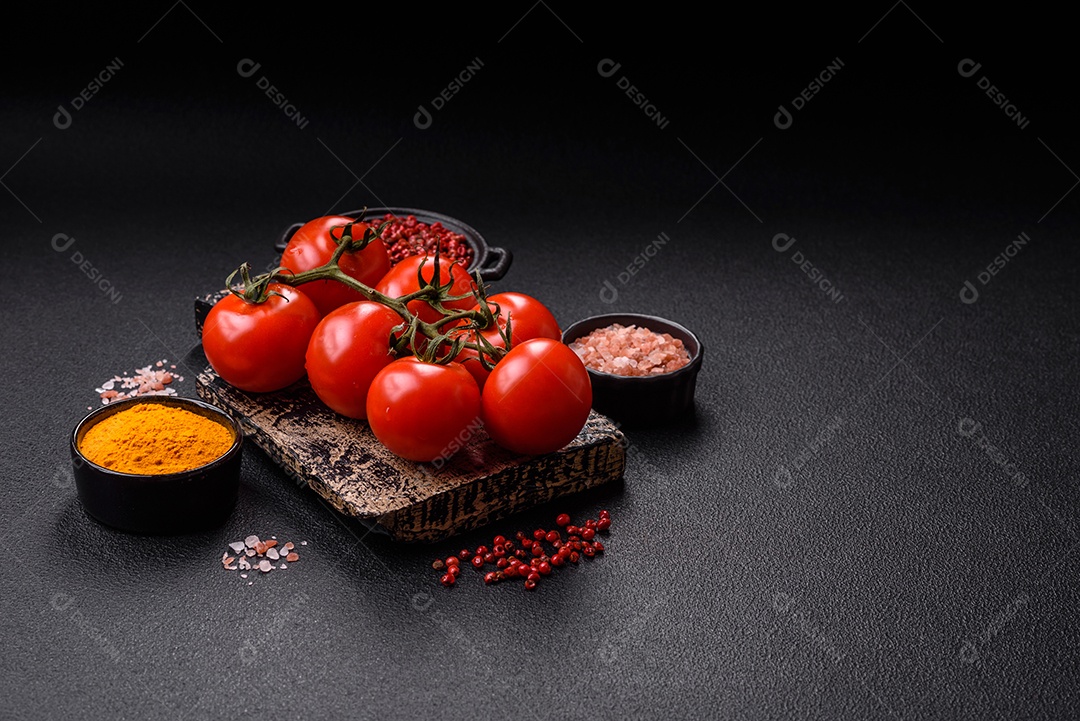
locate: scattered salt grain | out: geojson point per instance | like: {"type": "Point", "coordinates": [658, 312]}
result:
{"type": "Point", "coordinates": [267, 553]}
{"type": "Point", "coordinates": [145, 381]}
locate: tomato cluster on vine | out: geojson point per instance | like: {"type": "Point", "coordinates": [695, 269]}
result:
{"type": "Point", "coordinates": [418, 350]}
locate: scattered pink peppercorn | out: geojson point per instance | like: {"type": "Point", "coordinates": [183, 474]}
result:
{"type": "Point", "coordinates": [539, 554]}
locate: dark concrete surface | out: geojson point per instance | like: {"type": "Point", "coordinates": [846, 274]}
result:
{"type": "Point", "coordinates": [872, 513]}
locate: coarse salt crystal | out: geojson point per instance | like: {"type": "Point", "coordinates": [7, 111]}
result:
{"type": "Point", "coordinates": [631, 351]}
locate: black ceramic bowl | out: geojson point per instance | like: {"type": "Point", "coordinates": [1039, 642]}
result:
{"type": "Point", "coordinates": [159, 504]}
{"type": "Point", "coordinates": [643, 400]}
{"type": "Point", "coordinates": [490, 261]}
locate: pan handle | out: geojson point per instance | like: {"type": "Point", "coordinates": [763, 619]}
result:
{"type": "Point", "coordinates": [496, 263]}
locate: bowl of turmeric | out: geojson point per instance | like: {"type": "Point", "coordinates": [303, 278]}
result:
{"type": "Point", "coordinates": [158, 465]}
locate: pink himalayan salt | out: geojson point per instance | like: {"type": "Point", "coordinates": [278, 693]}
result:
{"type": "Point", "coordinates": [631, 351]}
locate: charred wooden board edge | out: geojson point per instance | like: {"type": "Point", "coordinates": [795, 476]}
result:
{"type": "Point", "coordinates": [486, 499]}
{"type": "Point", "coordinates": [464, 507]}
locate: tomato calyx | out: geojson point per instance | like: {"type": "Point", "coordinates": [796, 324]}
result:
{"type": "Point", "coordinates": [252, 290]}
{"type": "Point", "coordinates": [348, 243]}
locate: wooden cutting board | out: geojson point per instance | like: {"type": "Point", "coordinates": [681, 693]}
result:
{"type": "Point", "coordinates": [340, 459]}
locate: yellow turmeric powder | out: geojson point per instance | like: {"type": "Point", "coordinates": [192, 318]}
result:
{"type": "Point", "coordinates": [155, 439]}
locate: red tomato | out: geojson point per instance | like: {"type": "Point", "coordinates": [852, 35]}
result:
{"type": "Point", "coordinates": [312, 245]}
{"type": "Point", "coordinates": [529, 318]}
{"type": "Point", "coordinates": [470, 361]}
{"type": "Point", "coordinates": [401, 280]}
{"type": "Point", "coordinates": [348, 348]}
{"type": "Point", "coordinates": [538, 397]}
{"type": "Point", "coordinates": [260, 347]}
{"type": "Point", "coordinates": [423, 411]}
{"type": "Point", "coordinates": [469, 358]}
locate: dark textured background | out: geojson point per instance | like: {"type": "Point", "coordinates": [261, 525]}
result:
{"type": "Point", "coordinates": [820, 541]}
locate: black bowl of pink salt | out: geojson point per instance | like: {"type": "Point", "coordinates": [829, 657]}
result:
{"type": "Point", "coordinates": [643, 368]}
{"type": "Point", "coordinates": [158, 465]}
